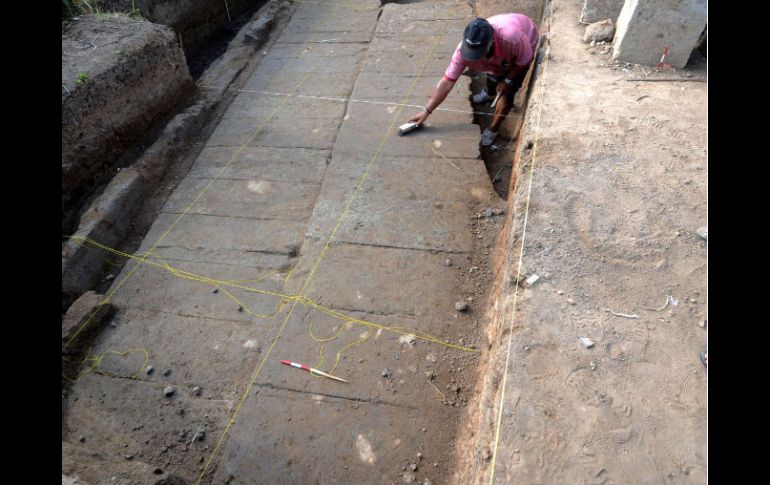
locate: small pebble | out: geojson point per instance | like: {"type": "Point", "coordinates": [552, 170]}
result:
{"type": "Point", "coordinates": [570, 301]}
{"type": "Point", "coordinates": [592, 365]}
{"type": "Point", "coordinates": [448, 262]}
{"type": "Point", "coordinates": [149, 370]}
{"type": "Point", "coordinates": [240, 309]}
{"type": "Point", "coordinates": [419, 456]}
{"type": "Point", "coordinates": [168, 391]}
{"type": "Point", "coordinates": [532, 280]}
{"type": "Point", "coordinates": [413, 467]}
{"type": "Point", "coordinates": [167, 372]}
{"type": "Point", "coordinates": [408, 339]}
{"type": "Point", "coordinates": [386, 373]}
{"type": "Point", "coordinates": [461, 306]}
{"type": "Point", "coordinates": [559, 292]}
{"type": "Point", "coordinates": [82, 439]}
{"type": "Point", "coordinates": [197, 391]}
{"type": "Point", "coordinates": [587, 342]}
{"type": "Point", "coordinates": [702, 324]}
{"type": "Point", "coordinates": [216, 290]}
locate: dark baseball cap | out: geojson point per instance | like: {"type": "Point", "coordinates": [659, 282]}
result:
{"type": "Point", "coordinates": [477, 40]}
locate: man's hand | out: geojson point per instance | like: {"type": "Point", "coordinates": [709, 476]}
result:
{"type": "Point", "coordinates": [419, 118]}
{"type": "Point", "coordinates": [502, 88]}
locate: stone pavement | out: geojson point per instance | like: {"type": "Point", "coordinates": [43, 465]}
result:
{"type": "Point", "coordinates": [619, 180]}
{"type": "Point", "coordinates": [317, 204]}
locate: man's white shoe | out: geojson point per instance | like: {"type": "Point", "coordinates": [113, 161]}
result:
{"type": "Point", "coordinates": [481, 97]}
{"type": "Point", "coordinates": [488, 137]}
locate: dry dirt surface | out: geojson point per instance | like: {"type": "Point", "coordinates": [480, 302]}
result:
{"type": "Point", "coordinates": [121, 77]}
{"type": "Point", "coordinates": [609, 206]}
{"type": "Point", "coordinates": [308, 230]}
{"type": "Point", "coordinates": [296, 236]}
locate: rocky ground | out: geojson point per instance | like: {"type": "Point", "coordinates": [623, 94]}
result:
{"type": "Point", "coordinates": [307, 230]}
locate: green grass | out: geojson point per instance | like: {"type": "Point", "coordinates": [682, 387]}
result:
{"type": "Point", "coordinates": [134, 11]}
{"type": "Point", "coordinates": [68, 10]}
{"type": "Point", "coordinates": [82, 78]}
{"type": "Point", "coordinates": [75, 8]}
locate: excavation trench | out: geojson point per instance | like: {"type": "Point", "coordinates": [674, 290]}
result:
{"type": "Point", "coordinates": [406, 260]}
{"type": "Point", "coordinates": [499, 158]}
{"type": "Point", "coordinates": [391, 289]}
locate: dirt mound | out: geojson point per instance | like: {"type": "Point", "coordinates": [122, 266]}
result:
{"type": "Point", "coordinates": [120, 77]}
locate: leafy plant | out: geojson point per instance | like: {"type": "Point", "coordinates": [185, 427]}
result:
{"type": "Point", "coordinates": [69, 8]}
{"type": "Point", "coordinates": [76, 7]}
{"type": "Point", "coordinates": [134, 11]}
{"type": "Point", "coordinates": [82, 78]}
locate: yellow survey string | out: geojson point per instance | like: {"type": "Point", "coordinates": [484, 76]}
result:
{"type": "Point", "coordinates": [338, 355]}
{"type": "Point", "coordinates": [336, 333]}
{"type": "Point", "coordinates": [259, 367]}
{"type": "Point", "coordinates": [221, 285]}
{"type": "Point", "coordinates": [96, 361]}
{"type": "Point", "coordinates": [521, 257]}
{"type": "Point", "coordinates": [312, 272]}
{"type": "Point", "coordinates": [351, 100]}
{"type": "Point", "coordinates": [256, 280]}
{"type": "Point", "coordinates": [187, 209]}
{"type": "Point", "coordinates": [147, 256]}
{"type": "Point", "coordinates": [345, 210]}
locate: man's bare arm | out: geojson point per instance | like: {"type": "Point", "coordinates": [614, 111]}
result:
{"type": "Point", "coordinates": [503, 87]}
{"type": "Point", "coordinates": [439, 94]}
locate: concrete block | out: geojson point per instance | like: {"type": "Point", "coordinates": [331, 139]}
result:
{"type": "Point", "coordinates": [596, 10]}
{"type": "Point", "coordinates": [645, 28]}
